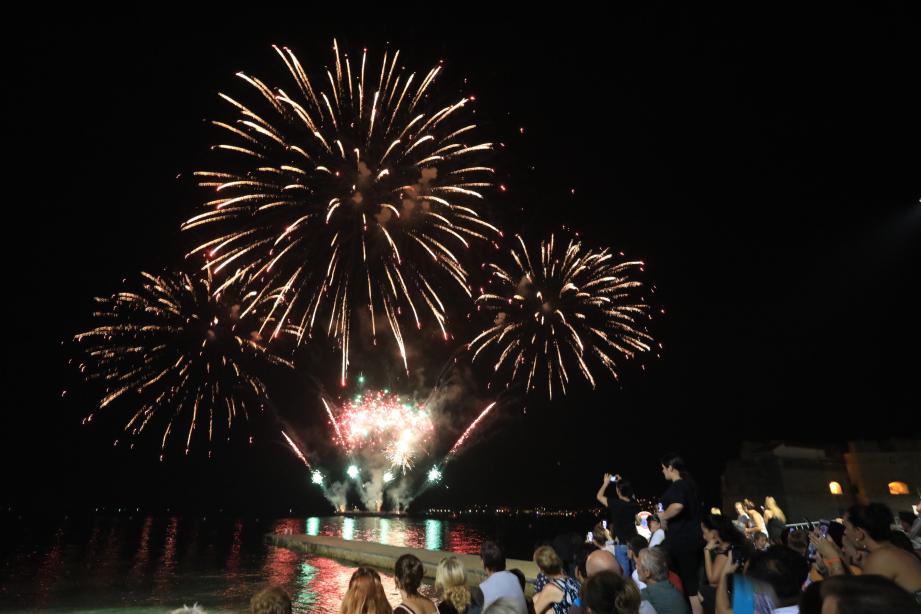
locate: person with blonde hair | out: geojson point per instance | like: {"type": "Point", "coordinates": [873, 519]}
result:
{"type": "Point", "coordinates": [555, 590]}
{"type": "Point", "coordinates": [451, 586]}
{"type": "Point", "coordinates": [774, 520]}
{"type": "Point", "coordinates": [365, 594]}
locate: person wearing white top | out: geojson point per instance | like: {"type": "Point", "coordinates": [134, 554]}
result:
{"type": "Point", "coordinates": [657, 533]}
{"type": "Point", "coordinates": [500, 584]}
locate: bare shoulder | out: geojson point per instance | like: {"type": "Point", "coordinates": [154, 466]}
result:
{"type": "Point", "coordinates": [891, 562]}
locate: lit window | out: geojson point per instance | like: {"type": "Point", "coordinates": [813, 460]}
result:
{"type": "Point", "coordinates": [898, 488]}
{"type": "Point", "coordinates": [835, 488]}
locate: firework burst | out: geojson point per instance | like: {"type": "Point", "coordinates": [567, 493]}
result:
{"type": "Point", "coordinates": [349, 190]}
{"type": "Point", "coordinates": [563, 313]}
{"type": "Point", "coordinates": [180, 357]}
{"type": "Point", "coordinates": [382, 423]}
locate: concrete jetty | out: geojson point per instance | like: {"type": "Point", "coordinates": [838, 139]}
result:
{"type": "Point", "coordinates": [383, 556]}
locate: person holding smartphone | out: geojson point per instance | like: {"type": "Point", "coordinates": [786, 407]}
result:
{"type": "Point", "coordinates": [622, 511]}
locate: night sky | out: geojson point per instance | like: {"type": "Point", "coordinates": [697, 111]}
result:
{"type": "Point", "coordinates": [766, 167]}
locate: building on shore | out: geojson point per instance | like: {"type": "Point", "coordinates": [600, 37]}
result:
{"type": "Point", "coordinates": [811, 482]}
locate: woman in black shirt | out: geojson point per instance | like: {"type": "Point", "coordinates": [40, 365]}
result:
{"type": "Point", "coordinates": [681, 513]}
{"type": "Point", "coordinates": [622, 511]}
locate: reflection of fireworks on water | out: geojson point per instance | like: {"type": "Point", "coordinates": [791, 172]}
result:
{"type": "Point", "coordinates": [384, 423]}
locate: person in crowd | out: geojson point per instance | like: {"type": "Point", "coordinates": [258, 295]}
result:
{"type": "Point", "coordinates": [907, 521]}
{"type": "Point", "coordinates": [365, 594]}
{"type": "Point", "coordinates": [681, 516]}
{"type": "Point", "coordinates": [870, 528]}
{"type": "Point", "coordinates": [857, 595]}
{"type": "Point", "coordinates": [721, 536]}
{"type": "Point", "coordinates": [601, 539]}
{"type": "Point", "coordinates": [502, 606]}
{"type": "Point", "coordinates": [652, 569]}
{"type": "Point", "coordinates": [270, 600]}
{"type": "Point", "coordinates": [608, 592]}
{"type": "Point", "coordinates": [622, 510]}
{"type": "Point", "coordinates": [798, 541]}
{"type": "Point", "coordinates": [560, 591]}
{"type": "Point", "coordinates": [499, 583]}
{"type": "Point", "coordinates": [774, 520]}
{"type": "Point", "coordinates": [582, 555]}
{"type": "Point", "coordinates": [451, 586]}
{"type": "Point", "coordinates": [758, 525]}
{"type": "Point", "coordinates": [565, 545]}
{"type": "Point", "coordinates": [407, 575]}
{"type": "Point", "coordinates": [656, 532]}
{"type": "Point", "coordinates": [760, 542]}
{"type": "Point", "coordinates": [637, 543]}
{"type": "Point", "coordinates": [743, 521]}
{"type": "Point", "coordinates": [779, 574]}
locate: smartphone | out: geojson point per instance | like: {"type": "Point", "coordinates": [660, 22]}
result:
{"type": "Point", "coordinates": [823, 528]}
{"type": "Point", "coordinates": [604, 523]}
{"type": "Point", "coordinates": [738, 555]}
{"type": "Point", "coordinates": [660, 507]}
{"type": "Point", "coordinates": [589, 537]}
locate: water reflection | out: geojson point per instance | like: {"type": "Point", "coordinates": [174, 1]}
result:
{"type": "Point", "coordinates": [348, 528]}
{"type": "Point", "coordinates": [159, 563]}
{"type": "Point", "coordinates": [432, 534]}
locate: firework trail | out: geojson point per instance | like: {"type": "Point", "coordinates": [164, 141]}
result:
{"type": "Point", "coordinates": [297, 451]}
{"type": "Point", "coordinates": [466, 434]}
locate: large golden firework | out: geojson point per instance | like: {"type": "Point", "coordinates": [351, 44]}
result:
{"type": "Point", "coordinates": [563, 313]}
{"type": "Point", "coordinates": [351, 189]}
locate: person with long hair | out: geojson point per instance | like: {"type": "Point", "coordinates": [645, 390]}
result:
{"type": "Point", "coordinates": [774, 520]}
{"type": "Point", "coordinates": [407, 575]}
{"type": "Point", "coordinates": [365, 594]}
{"type": "Point", "coordinates": [681, 516]}
{"type": "Point", "coordinates": [721, 536]}
{"type": "Point", "coordinates": [451, 586]}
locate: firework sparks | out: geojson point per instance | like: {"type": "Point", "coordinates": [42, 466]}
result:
{"type": "Point", "coordinates": [562, 313]}
{"type": "Point", "coordinates": [466, 435]}
{"type": "Point", "coordinates": [178, 354]}
{"type": "Point", "coordinates": [296, 450]}
{"type": "Point", "coordinates": [383, 423]}
{"type": "Point", "coordinates": [316, 477]}
{"type": "Point", "coordinates": [345, 193]}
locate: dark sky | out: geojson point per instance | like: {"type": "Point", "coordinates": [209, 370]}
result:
{"type": "Point", "coordinates": [766, 166]}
